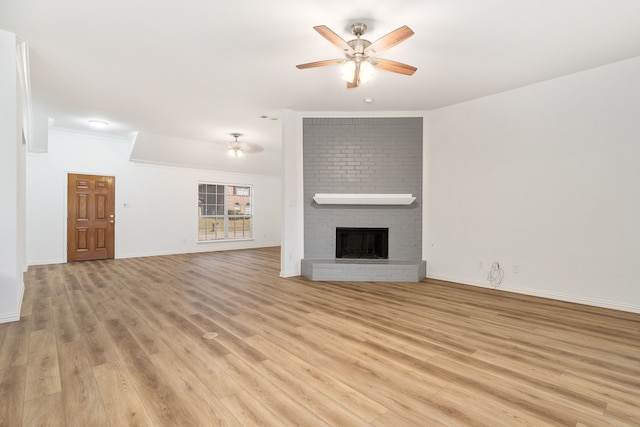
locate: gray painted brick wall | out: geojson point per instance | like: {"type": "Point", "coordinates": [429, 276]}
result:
{"type": "Point", "coordinates": [362, 155]}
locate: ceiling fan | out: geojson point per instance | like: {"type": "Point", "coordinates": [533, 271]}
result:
{"type": "Point", "coordinates": [238, 149]}
{"type": "Point", "coordinates": [360, 54]}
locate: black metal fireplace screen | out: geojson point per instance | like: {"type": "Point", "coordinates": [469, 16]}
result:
{"type": "Point", "coordinates": [362, 243]}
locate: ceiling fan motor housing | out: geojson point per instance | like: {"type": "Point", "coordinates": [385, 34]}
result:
{"type": "Point", "coordinates": [358, 45]}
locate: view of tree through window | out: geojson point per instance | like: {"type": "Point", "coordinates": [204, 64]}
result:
{"type": "Point", "coordinates": [224, 212]}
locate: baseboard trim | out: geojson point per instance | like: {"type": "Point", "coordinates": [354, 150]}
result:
{"type": "Point", "coordinates": [14, 317]}
{"type": "Point", "coordinates": [287, 274]}
{"type": "Point", "coordinates": [11, 317]}
{"type": "Point", "coordinates": [614, 305]}
{"type": "Point", "coordinates": [20, 298]}
{"type": "Point", "coordinates": [199, 250]}
{"type": "Point", "coordinates": [47, 262]}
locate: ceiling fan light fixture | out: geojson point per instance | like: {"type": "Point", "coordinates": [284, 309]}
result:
{"type": "Point", "coordinates": [366, 72]}
{"type": "Point", "coordinates": [364, 75]}
{"type": "Point", "coordinates": [235, 151]}
{"type": "Point", "coordinates": [348, 70]}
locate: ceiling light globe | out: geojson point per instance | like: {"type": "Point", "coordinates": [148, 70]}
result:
{"type": "Point", "coordinates": [348, 71]}
{"type": "Point", "coordinates": [235, 152]}
{"type": "Point", "coordinates": [366, 71]}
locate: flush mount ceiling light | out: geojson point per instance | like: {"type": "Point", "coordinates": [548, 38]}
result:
{"type": "Point", "coordinates": [360, 60]}
{"type": "Point", "coordinates": [98, 124]}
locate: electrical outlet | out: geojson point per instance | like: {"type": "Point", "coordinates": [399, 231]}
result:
{"type": "Point", "coordinates": [480, 265]}
{"type": "Point", "coordinates": [516, 268]}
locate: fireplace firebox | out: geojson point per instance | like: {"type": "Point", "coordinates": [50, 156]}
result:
{"type": "Point", "coordinates": [362, 243]}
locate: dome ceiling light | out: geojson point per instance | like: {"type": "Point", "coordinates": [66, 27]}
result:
{"type": "Point", "coordinates": [99, 124]}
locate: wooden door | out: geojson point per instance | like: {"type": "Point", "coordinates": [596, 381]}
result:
{"type": "Point", "coordinates": [90, 217]}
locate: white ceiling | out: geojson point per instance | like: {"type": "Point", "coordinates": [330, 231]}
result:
{"type": "Point", "coordinates": [200, 69]}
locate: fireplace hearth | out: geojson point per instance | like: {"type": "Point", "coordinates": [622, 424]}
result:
{"type": "Point", "coordinates": [362, 243]}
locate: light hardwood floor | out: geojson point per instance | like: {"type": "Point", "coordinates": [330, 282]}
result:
{"type": "Point", "coordinates": [219, 339]}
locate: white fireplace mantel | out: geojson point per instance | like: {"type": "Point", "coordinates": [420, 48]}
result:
{"type": "Point", "coordinates": [363, 199]}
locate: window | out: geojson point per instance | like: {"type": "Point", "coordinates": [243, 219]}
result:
{"type": "Point", "coordinates": [224, 212]}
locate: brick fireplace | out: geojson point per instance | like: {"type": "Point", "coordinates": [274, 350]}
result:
{"type": "Point", "coordinates": [363, 156]}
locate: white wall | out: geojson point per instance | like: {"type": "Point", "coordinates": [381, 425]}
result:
{"type": "Point", "coordinates": [292, 250]}
{"type": "Point", "coordinates": [544, 179]}
{"type": "Point", "coordinates": [12, 183]}
{"type": "Point", "coordinates": [160, 216]}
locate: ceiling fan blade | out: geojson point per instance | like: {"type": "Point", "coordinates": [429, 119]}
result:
{"type": "Point", "coordinates": [248, 147]}
{"type": "Point", "coordinates": [320, 63]}
{"type": "Point", "coordinates": [389, 40]}
{"type": "Point", "coordinates": [335, 39]}
{"type": "Point", "coordinates": [394, 67]}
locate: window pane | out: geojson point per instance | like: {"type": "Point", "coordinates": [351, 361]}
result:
{"type": "Point", "coordinates": [217, 212]}
{"type": "Point", "coordinates": [211, 228]}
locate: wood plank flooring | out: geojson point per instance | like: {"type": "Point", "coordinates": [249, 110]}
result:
{"type": "Point", "coordinates": [219, 339]}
